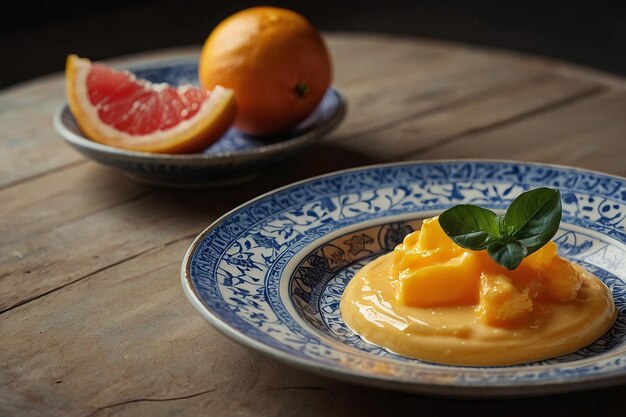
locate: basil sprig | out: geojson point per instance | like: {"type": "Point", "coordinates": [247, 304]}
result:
{"type": "Point", "coordinates": [530, 222]}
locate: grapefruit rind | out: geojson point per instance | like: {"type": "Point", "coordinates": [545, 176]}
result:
{"type": "Point", "coordinates": [215, 115]}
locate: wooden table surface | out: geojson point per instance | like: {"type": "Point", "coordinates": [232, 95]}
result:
{"type": "Point", "coordinates": [93, 318]}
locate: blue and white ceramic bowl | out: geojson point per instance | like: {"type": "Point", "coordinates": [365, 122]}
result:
{"type": "Point", "coordinates": [235, 157]}
{"type": "Point", "coordinates": [270, 273]}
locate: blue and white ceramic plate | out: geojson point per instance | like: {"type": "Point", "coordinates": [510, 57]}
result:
{"type": "Point", "coordinates": [235, 157]}
{"type": "Point", "coordinates": [270, 273]}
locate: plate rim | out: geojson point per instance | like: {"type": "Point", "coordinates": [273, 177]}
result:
{"type": "Point", "coordinates": [507, 389]}
{"type": "Point", "coordinates": [282, 146]}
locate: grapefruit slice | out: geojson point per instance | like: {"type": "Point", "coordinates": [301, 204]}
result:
{"type": "Point", "coordinates": [118, 109]}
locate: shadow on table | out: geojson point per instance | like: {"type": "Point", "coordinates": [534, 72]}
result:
{"type": "Point", "coordinates": [201, 206]}
{"type": "Point", "coordinates": [315, 161]}
{"type": "Point", "coordinates": [322, 394]}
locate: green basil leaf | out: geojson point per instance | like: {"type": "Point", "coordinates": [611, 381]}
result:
{"type": "Point", "coordinates": [509, 255]}
{"type": "Point", "coordinates": [470, 226]}
{"type": "Point", "coordinates": [534, 217]}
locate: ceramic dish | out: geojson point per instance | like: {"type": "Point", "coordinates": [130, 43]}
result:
{"type": "Point", "coordinates": [270, 273]}
{"type": "Point", "coordinates": [233, 158]}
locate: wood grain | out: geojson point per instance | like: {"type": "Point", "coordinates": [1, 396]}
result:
{"type": "Point", "coordinates": [588, 134]}
{"type": "Point", "coordinates": [99, 355]}
{"type": "Point", "coordinates": [88, 351]}
{"type": "Point", "coordinates": [64, 196]}
{"type": "Point", "coordinates": [433, 128]}
{"type": "Point", "coordinates": [426, 75]}
{"type": "Point", "coordinates": [94, 321]}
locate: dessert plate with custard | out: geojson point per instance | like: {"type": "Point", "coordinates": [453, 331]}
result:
{"type": "Point", "coordinates": [363, 275]}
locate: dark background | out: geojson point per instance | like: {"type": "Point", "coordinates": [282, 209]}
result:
{"type": "Point", "coordinates": [36, 36]}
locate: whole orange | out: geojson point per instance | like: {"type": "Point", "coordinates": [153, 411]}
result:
{"type": "Point", "coordinates": [274, 60]}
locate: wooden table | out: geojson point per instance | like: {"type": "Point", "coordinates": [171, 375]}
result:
{"type": "Point", "coordinates": [94, 321]}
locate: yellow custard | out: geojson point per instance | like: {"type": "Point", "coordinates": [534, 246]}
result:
{"type": "Point", "coordinates": [433, 300]}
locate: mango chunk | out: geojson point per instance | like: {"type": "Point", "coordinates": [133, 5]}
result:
{"type": "Point", "coordinates": [433, 238]}
{"type": "Point", "coordinates": [502, 303]}
{"type": "Point", "coordinates": [560, 281]}
{"type": "Point", "coordinates": [430, 270]}
{"type": "Point", "coordinates": [541, 258]}
{"type": "Point", "coordinates": [424, 247]}
{"type": "Point", "coordinates": [413, 260]}
{"type": "Point", "coordinates": [451, 283]}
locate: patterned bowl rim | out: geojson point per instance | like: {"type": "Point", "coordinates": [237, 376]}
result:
{"type": "Point", "coordinates": [461, 390]}
{"type": "Point", "coordinates": [280, 147]}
